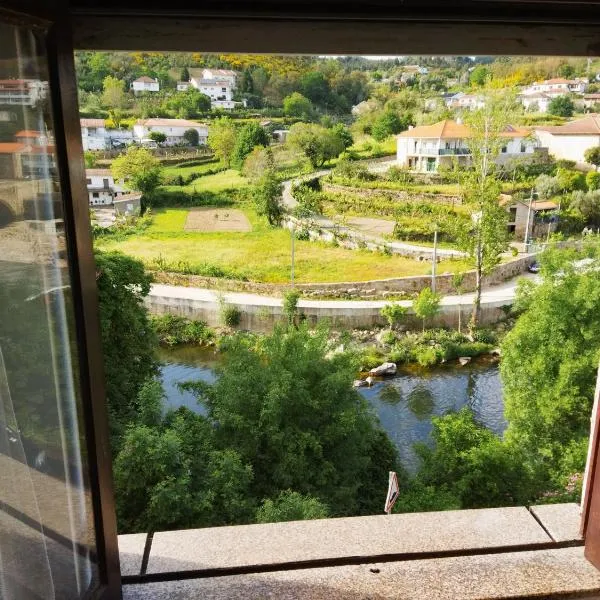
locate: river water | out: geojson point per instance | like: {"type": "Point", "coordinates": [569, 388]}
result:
{"type": "Point", "coordinates": [404, 403]}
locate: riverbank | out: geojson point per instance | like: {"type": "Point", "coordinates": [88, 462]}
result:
{"type": "Point", "coordinates": [261, 313]}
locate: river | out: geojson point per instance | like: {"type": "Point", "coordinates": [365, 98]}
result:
{"type": "Point", "coordinates": [404, 403]}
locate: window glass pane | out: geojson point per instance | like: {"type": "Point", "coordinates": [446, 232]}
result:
{"type": "Point", "coordinates": [47, 545]}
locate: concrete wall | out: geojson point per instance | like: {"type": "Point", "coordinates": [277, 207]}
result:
{"type": "Point", "coordinates": [343, 315]}
{"type": "Point", "coordinates": [379, 288]}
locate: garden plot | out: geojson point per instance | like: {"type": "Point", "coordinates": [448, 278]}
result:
{"type": "Point", "coordinates": [216, 219]}
{"type": "Point", "coordinates": [375, 227]}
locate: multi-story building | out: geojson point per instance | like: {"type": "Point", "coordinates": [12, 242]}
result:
{"type": "Point", "coordinates": [558, 86]}
{"type": "Point", "coordinates": [428, 147]}
{"type": "Point", "coordinates": [94, 135]}
{"type": "Point", "coordinates": [172, 128]}
{"type": "Point", "coordinates": [217, 84]}
{"type": "Point", "coordinates": [467, 101]}
{"type": "Point", "coordinates": [535, 101]}
{"type": "Point", "coordinates": [145, 84]}
{"type": "Point", "coordinates": [26, 92]}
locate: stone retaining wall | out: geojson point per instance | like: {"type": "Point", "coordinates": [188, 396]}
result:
{"type": "Point", "coordinates": [259, 317]}
{"type": "Point", "coordinates": [378, 288]}
{"type": "Point", "coordinates": [448, 199]}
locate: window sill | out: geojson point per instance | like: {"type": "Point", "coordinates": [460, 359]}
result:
{"type": "Point", "coordinates": [471, 554]}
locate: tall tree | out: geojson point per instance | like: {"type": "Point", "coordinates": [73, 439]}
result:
{"type": "Point", "coordinates": [113, 97]}
{"type": "Point", "coordinates": [221, 138]}
{"type": "Point", "coordinates": [486, 236]}
{"type": "Point", "coordinates": [249, 136]}
{"type": "Point", "coordinates": [128, 341]}
{"type": "Point", "coordinates": [315, 142]}
{"type": "Point", "coordinates": [550, 360]}
{"type": "Point", "coordinates": [140, 170]}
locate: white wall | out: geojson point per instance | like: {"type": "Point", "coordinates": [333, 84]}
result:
{"type": "Point", "coordinates": [568, 147]}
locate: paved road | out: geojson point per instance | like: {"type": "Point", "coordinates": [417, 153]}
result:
{"type": "Point", "coordinates": [504, 293]}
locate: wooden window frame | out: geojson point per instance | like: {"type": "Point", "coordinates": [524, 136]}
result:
{"type": "Point", "coordinates": [299, 27]}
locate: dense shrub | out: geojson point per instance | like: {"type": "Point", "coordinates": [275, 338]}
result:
{"type": "Point", "coordinates": [172, 330]}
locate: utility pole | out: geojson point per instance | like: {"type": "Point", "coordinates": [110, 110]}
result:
{"type": "Point", "coordinates": [433, 269]}
{"type": "Point", "coordinates": [293, 230]}
{"type": "Point", "coordinates": [528, 218]}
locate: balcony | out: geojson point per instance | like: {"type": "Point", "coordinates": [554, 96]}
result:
{"type": "Point", "coordinates": [454, 151]}
{"type": "Point", "coordinates": [496, 553]}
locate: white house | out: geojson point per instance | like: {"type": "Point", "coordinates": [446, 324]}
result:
{"type": "Point", "coordinates": [558, 86]}
{"type": "Point", "coordinates": [145, 84]}
{"type": "Point", "coordinates": [94, 134]}
{"type": "Point", "coordinates": [102, 188]}
{"type": "Point", "coordinates": [172, 128]}
{"type": "Point", "coordinates": [217, 84]}
{"type": "Point", "coordinates": [462, 100]}
{"type": "Point", "coordinates": [428, 147]}
{"type": "Point", "coordinates": [535, 101]}
{"type": "Point", "coordinates": [182, 86]}
{"type": "Point", "coordinates": [22, 91]}
{"type": "Point", "coordinates": [571, 140]}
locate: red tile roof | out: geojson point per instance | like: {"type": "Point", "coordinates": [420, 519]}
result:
{"type": "Point", "coordinates": [451, 129]}
{"type": "Point", "coordinates": [92, 122]}
{"type": "Point", "coordinates": [169, 123]}
{"type": "Point", "coordinates": [589, 125]}
{"type": "Point", "coordinates": [28, 133]}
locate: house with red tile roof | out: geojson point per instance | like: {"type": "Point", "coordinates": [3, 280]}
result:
{"type": "Point", "coordinates": [427, 147]}
{"type": "Point", "coordinates": [571, 140]}
{"type": "Point", "coordinates": [145, 84]}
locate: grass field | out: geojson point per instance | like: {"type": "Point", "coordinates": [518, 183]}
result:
{"type": "Point", "coordinates": [263, 254]}
{"type": "Point", "coordinates": [209, 183]}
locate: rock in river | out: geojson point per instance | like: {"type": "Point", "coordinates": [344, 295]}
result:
{"type": "Point", "coordinates": [387, 368]}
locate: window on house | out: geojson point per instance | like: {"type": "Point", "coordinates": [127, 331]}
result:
{"type": "Point", "coordinates": [523, 147]}
{"type": "Point", "coordinates": [95, 195]}
{"type": "Point", "coordinates": [504, 149]}
{"type": "Point", "coordinates": [88, 181]}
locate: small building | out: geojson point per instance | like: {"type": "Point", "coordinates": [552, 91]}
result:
{"type": "Point", "coordinates": [182, 86]}
{"type": "Point", "coordinates": [102, 188]}
{"type": "Point", "coordinates": [538, 219]}
{"type": "Point", "coordinates": [571, 140]}
{"type": "Point", "coordinates": [591, 100]}
{"type": "Point", "coordinates": [280, 135]}
{"type": "Point", "coordinates": [145, 84]}
{"type": "Point", "coordinates": [128, 205]}
{"type": "Point", "coordinates": [172, 128]}
{"type": "Point", "coordinates": [428, 147]}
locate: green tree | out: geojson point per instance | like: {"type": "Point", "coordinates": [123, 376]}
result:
{"type": "Point", "coordinates": [592, 156]}
{"type": "Point", "coordinates": [479, 76]}
{"type": "Point", "coordinates": [388, 123]}
{"type": "Point", "coordinates": [393, 314]}
{"type": "Point", "coordinates": [90, 159]}
{"type": "Point", "coordinates": [566, 70]}
{"type": "Point", "coordinates": [549, 364]}
{"type": "Point", "coordinates": [290, 411]}
{"type": "Point", "coordinates": [561, 106]}
{"type": "Point", "coordinates": [427, 304]}
{"type": "Point", "coordinates": [592, 180]}
{"type": "Point", "coordinates": [184, 74]}
{"type": "Point", "coordinates": [291, 506]}
{"type": "Point", "coordinates": [297, 105]}
{"type": "Point", "coordinates": [267, 197]}
{"type": "Point", "coordinates": [191, 136]}
{"type": "Point", "coordinates": [470, 463]}
{"type": "Point", "coordinates": [169, 475]}
{"type": "Point", "coordinates": [221, 138]}
{"type": "Point", "coordinates": [290, 306]}
{"type": "Point", "coordinates": [158, 136]}
{"type": "Point", "coordinates": [342, 132]}
{"type": "Point", "coordinates": [113, 98]}
{"type": "Point", "coordinates": [485, 237]}
{"type": "Point", "coordinates": [315, 142]}
{"type": "Point", "coordinates": [249, 136]}
{"type": "Point", "coordinates": [128, 340]}
{"type": "Point", "coordinates": [140, 170]}
{"type": "Point", "coordinates": [315, 87]}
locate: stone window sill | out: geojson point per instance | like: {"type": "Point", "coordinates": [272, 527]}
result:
{"type": "Point", "coordinates": [471, 554]}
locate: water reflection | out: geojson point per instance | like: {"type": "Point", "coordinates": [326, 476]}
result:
{"type": "Point", "coordinates": [404, 404]}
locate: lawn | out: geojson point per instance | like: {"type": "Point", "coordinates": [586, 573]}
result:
{"type": "Point", "coordinates": [263, 254]}
{"type": "Point", "coordinates": [209, 183]}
